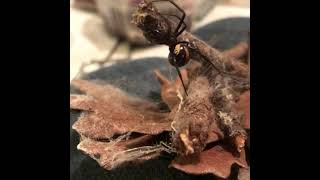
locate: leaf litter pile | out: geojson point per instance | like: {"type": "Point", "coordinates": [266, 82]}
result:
{"type": "Point", "coordinates": [206, 131]}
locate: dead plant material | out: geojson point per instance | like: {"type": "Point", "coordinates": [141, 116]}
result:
{"type": "Point", "coordinates": [214, 89]}
{"type": "Point", "coordinates": [120, 151]}
{"type": "Point", "coordinates": [222, 160]}
{"type": "Point", "coordinates": [108, 118]}
{"type": "Point", "coordinates": [170, 95]}
{"type": "Point", "coordinates": [108, 111]}
{"type": "Point", "coordinates": [243, 106]}
{"type": "Point", "coordinates": [97, 135]}
{"type": "Point", "coordinates": [215, 86]}
{"type": "Point", "coordinates": [216, 160]}
{"type": "Point", "coordinates": [239, 51]}
{"type": "Point", "coordinates": [194, 118]}
{"type": "Point", "coordinates": [208, 127]}
{"type": "Point", "coordinates": [170, 90]}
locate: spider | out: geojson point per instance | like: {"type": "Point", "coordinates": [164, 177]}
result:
{"type": "Point", "coordinates": [178, 50]}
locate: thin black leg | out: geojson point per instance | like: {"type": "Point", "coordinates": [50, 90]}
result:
{"type": "Point", "coordinates": [184, 28]}
{"type": "Point", "coordinates": [181, 10]}
{"type": "Point", "coordinates": [182, 42]}
{"type": "Point", "coordinates": [179, 73]}
{"type": "Point", "coordinates": [183, 23]}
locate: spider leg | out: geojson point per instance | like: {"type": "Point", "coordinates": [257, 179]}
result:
{"type": "Point", "coordinates": [188, 43]}
{"type": "Point", "coordinates": [213, 65]}
{"type": "Point", "coordinates": [184, 28]}
{"type": "Point", "coordinates": [167, 22]}
{"type": "Point", "coordinates": [179, 73]}
{"type": "Point", "coordinates": [181, 10]}
{"type": "Point", "coordinates": [183, 23]}
{"type": "Point", "coordinates": [183, 42]}
{"type": "Point", "coordinates": [111, 52]}
{"type": "Point", "coordinates": [100, 63]}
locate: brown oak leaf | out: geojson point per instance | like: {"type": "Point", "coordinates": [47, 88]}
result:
{"type": "Point", "coordinates": [108, 111]}
{"type": "Point", "coordinates": [214, 133]}
{"type": "Point", "coordinates": [216, 160]}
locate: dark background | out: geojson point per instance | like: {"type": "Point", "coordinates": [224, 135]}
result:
{"type": "Point", "coordinates": [36, 87]}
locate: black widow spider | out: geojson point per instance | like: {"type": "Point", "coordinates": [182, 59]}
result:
{"type": "Point", "coordinates": [179, 50]}
{"type": "Point", "coordinates": [179, 53]}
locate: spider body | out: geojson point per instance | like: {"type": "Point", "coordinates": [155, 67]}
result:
{"type": "Point", "coordinates": [179, 55]}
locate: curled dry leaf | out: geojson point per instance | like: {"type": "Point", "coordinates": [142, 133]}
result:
{"type": "Point", "coordinates": [108, 111]}
{"type": "Point", "coordinates": [216, 160]}
{"type": "Point", "coordinates": [170, 90]}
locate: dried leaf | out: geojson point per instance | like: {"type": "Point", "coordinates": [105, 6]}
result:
{"type": "Point", "coordinates": [82, 102]}
{"type": "Point", "coordinates": [170, 89]}
{"type": "Point", "coordinates": [111, 93]}
{"type": "Point", "coordinates": [214, 134]}
{"type": "Point", "coordinates": [109, 111]}
{"type": "Point", "coordinates": [112, 154]}
{"type": "Point", "coordinates": [216, 160]}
